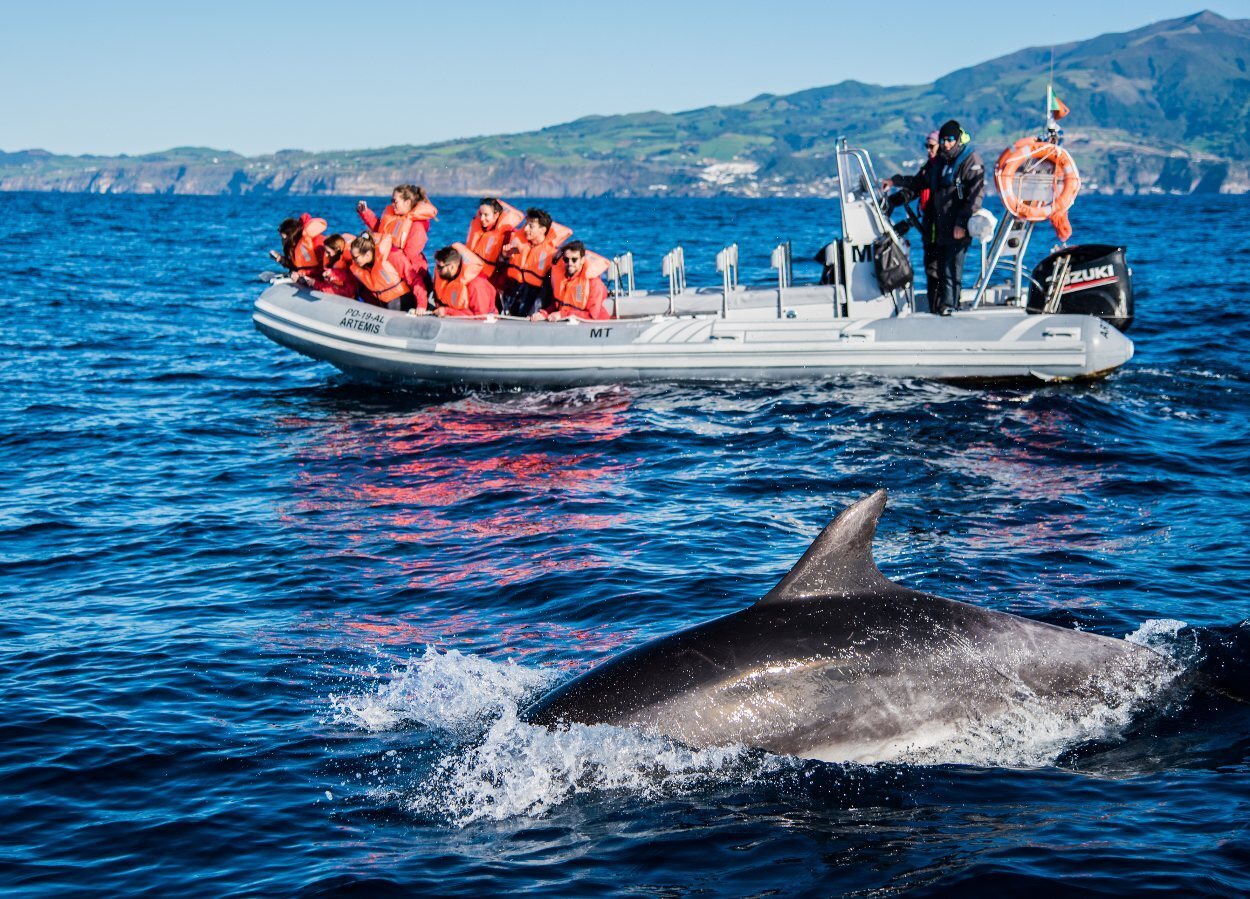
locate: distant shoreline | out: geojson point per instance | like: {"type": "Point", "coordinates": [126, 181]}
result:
{"type": "Point", "coordinates": [1159, 110]}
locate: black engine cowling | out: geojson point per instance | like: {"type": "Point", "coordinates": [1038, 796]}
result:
{"type": "Point", "coordinates": [1099, 282]}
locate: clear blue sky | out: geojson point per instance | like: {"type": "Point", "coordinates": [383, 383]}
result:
{"type": "Point", "coordinates": [134, 77]}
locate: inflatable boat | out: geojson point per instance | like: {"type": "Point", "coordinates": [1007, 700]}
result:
{"type": "Point", "coordinates": [1064, 320]}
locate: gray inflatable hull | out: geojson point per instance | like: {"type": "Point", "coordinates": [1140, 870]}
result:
{"type": "Point", "coordinates": [752, 343]}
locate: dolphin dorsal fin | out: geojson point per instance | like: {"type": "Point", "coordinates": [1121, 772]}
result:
{"type": "Point", "coordinates": [839, 561]}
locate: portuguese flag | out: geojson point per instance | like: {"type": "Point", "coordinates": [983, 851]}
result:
{"type": "Point", "coordinates": [1055, 107]}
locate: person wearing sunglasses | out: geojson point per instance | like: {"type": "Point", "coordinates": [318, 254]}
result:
{"type": "Point", "coordinates": [957, 189]}
{"type": "Point", "coordinates": [913, 187]}
{"type": "Point", "coordinates": [577, 286]}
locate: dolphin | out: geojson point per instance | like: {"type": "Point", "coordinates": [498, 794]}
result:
{"type": "Point", "coordinates": [840, 664]}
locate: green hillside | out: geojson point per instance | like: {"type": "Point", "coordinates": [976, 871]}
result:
{"type": "Point", "coordinates": [1162, 108]}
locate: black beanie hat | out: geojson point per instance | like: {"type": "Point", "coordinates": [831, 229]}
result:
{"type": "Point", "coordinates": [950, 129]}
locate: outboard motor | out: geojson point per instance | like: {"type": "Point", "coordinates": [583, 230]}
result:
{"type": "Point", "coordinates": [1094, 280]}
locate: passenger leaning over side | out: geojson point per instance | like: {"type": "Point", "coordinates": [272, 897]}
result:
{"type": "Point", "coordinates": [490, 229]}
{"type": "Point", "coordinates": [407, 222]}
{"type": "Point", "coordinates": [460, 283]}
{"type": "Point", "coordinates": [577, 285]}
{"type": "Point", "coordinates": [301, 244]}
{"type": "Point", "coordinates": [380, 280]}
{"type": "Point", "coordinates": [336, 274]}
{"type": "Point", "coordinates": [530, 253]}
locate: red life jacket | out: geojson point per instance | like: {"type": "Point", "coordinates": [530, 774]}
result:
{"type": "Point", "coordinates": [400, 227]}
{"type": "Point", "coordinates": [488, 244]}
{"type": "Point", "coordinates": [338, 278]}
{"type": "Point", "coordinates": [381, 278]}
{"type": "Point", "coordinates": [306, 254]}
{"type": "Point", "coordinates": [455, 293]}
{"type": "Point", "coordinates": [531, 264]}
{"type": "Point", "coordinates": [581, 294]}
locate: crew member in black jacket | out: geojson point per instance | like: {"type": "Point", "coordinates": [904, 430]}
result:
{"type": "Point", "coordinates": [956, 190]}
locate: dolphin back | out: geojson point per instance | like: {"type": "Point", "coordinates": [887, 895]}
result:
{"type": "Point", "coordinates": [839, 663]}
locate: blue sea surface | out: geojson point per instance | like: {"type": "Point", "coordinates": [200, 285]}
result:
{"type": "Point", "coordinates": [266, 630]}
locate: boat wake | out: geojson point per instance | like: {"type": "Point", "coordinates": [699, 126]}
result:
{"type": "Point", "coordinates": [488, 765]}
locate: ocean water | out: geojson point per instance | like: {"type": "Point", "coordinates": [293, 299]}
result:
{"type": "Point", "coordinates": [267, 631]}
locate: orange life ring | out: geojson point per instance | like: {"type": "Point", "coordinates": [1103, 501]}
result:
{"type": "Point", "coordinates": [1038, 181]}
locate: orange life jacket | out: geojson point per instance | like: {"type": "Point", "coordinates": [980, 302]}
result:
{"type": "Point", "coordinates": [531, 264]}
{"type": "Point", "coordinates": [399, 227]}
{"type": "Point", "coordinates": [306, 254]}
{"type": "Point", "coordinates": [381, 278]}
{"type": "Point", "coordinates": [455, 293]}
{"type": "Point", "coordinates": [575, 291]}
{"type": "Point", "coordinates": [488, 244]}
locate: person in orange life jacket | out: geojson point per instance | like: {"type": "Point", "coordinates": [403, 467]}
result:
{"type": "Point", "coordinates": [380, 280]}
{"type": "Point", "coordinates": [407, 221]}
{"type": "Point", "coordinates": [301, 244]}
{"type": "Point", "coordinates": [530, 253]}
{"type": "Point", "coordinates": [460, 283]}
{"type": "Point", "coordinates": [336, 275]}
{"type": "Point", "coordinates": [490, 229]}
{"type": "Point", "coordinates": [577, 285]}
{"type": "Point", "coordinates": [917, 186]}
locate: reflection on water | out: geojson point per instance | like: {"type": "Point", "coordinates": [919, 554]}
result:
{"type": "Point", "coordinates": [460, 482]}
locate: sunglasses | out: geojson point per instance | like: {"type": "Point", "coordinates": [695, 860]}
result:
{"type": "Point", "coordinates": [930, 146]}
{"type": "Point", "coordinates": [949, 140]}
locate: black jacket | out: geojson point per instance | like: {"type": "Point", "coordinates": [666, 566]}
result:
{"type": "Point", "coordinates": [956, 190]}
{"type": "Point", "coordinates": [913, 186]}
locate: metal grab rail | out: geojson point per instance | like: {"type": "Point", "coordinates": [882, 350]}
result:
{"type": "Point", "coordinates": [621, 271]}
{"type": "Point", "coordinates": [1011, 241]}
{"type": "Point", "coordinates": [864, 182]}
{"type": "Point", "coordinates": [833, 257]}
{"type": "Point", "coordinates": [783, 262]}
{"type": "Point", "coordinates": [727, 265]}
{"type": "Point", "coordinates": [868, 181]}
{"type": "Point", "coordinates": [674, 268]}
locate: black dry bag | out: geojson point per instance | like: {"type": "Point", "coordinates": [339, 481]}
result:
{"type": "Point", "coordinates": [892, 263]}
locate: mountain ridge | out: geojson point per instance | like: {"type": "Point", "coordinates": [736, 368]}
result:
{"type": "Point", "coordinates": [1162, 108]}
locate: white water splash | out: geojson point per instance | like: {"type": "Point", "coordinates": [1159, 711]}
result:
{"type": "Point", "coordinates": [509, 768]}
{"type": "Point", "coordinates": [445, 691]}
{"type": "Point", "coordinates": [517, 769]}
{"type": "Point", "coordinates": [1158, 634]}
